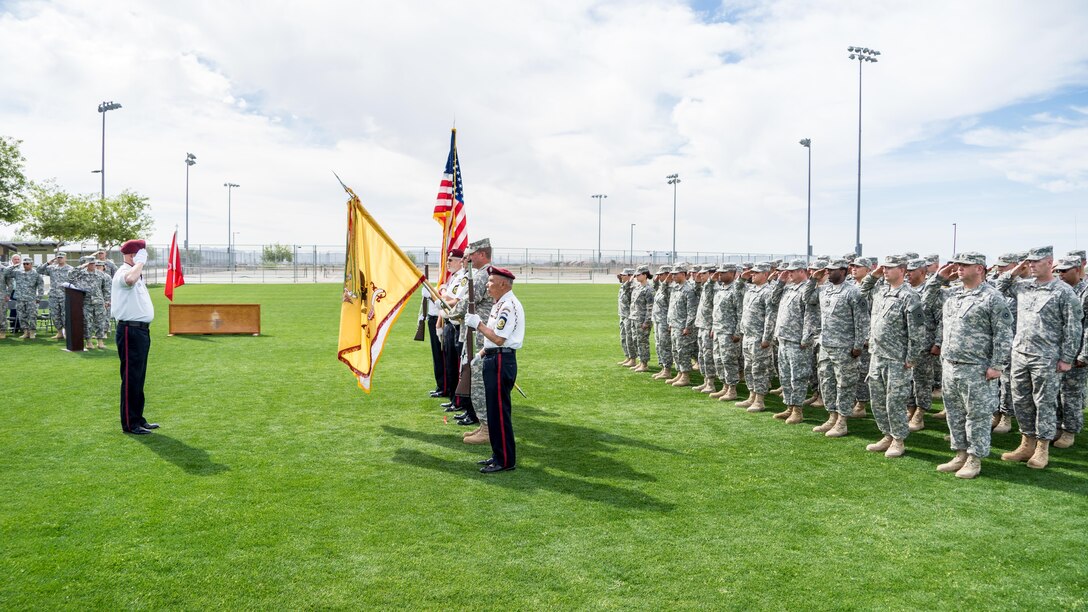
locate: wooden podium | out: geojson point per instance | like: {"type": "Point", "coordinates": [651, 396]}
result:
{"type": "Point", "coordinates": [74, 325]}
{"type": "Point", "coordinates": [215, 319]}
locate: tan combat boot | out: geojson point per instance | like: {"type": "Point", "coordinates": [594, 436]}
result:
{"type": "Point", "coordinates": [25, 335]}
{"type": "Point", "coordinates": [746, 402]}
{"type": "Point", "coordinates": [942, 415]}
{"type": "Point", "coordinates": [828, 424]}
{"type": "Point", "coordinates": [797, 417]}
{"type": "Point", "coordinates": [1065, 440]}
{"type": "Point", "coordinates": [57, 337]}
{"type": "Point", "coordinates": [624, 362]}
{"type": "Point", "coordinates": [757, 404]}
{"type": "Point", "coordinates": [683, 381]}
{"type": "Point", "coordinates": [719, 394]}
{"type": "Point", "coordinates": [3, 335]}
{"type": "Point", "coordinates": [471, 433]}
{"type": "Point", "coordinates": [839, 429]}
{"type": "Point", "coordinates": [859, 411]}
{"type": "Point", "coordinates": [675, 377]}
{"type": "Point", "coordinates": [812, 400]}
{"type": "Point", "coordinates": [710, 386]}
{"type": "Point", "coordinates": [1041, 457]}
{"type": "Point", "coordinates": [662, 374]}
{"type": "Point", "coordinates": [480, 437]}
{"type": "Point", "coordinates": [785, 414]}
{"type": "Point", "coordinates": [33, 335]}
{"type": "Point", "coordinates": [776, 391]}
{"type": "Point", "coordinates": [730, 395]}
{"type": "Point", "coordinates": [818, 402]}
{"type": "Point", "coordinates": [937, 393]}
{"type": "Point", "coordinates": [1004, 424]}
{"type": "Point", "coordinates": [641, 367]}
{"type": "Point", "coordinates": [880, 446]}
{"type": "Point", "coordinates": [896, 449]}
{"type": "Point", "coordinates": [957, 462]}
{"type": "Point", "coordinates": [700, 387]}
{"type": "Point", "coordinates": [917, 421]}
{"type": "Point", "coordinates": [971, 468]}
{"type": "Point", "coordinates": [1022, 452]}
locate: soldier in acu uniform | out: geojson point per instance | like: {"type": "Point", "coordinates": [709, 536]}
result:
{"type": "Point", "coordinates": [28, 290]}
{"type": "Point", "coordinates": [725, 327]}
{"type": "Point", "coordinates": [58, 271]}
{"type": "Point", "coordinates": [1047, 341]}
{"type": "Point", "coordinates": [704, 321]}
{"type": "Point", "coordinates": [795, 329]}
{"type": "Point", "coordinates": [660, 316]}
{"type": "Point", "coordinates": [859, 269]}
{"type": "Point", "coordinates": [479, 253]}
{"type": "Point", "coordinates": [757, 330]}
{"type": "Point", "coordinates": [844, 329]}
{"type": "Point", "coordinates": [682, 306]}
{"type": "Point", "coordinates": [1071, 395]}
{"type": "Point", "coordinates": [923, 373]}
{"type": "Point", "coordinates": [624, 300]}
{"type": "Point", "coordinates": [640, 318]}
{"type": "Point", "coordinates": [976, 346]}
{"type": "Point", "coordinates": [1002, 421]}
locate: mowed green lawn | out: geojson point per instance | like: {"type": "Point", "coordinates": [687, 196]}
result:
{"type": "Point", "coordinates": [276, 483]}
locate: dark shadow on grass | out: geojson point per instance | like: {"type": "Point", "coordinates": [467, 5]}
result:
{"type": "Point", "coordinates": [191, 459]}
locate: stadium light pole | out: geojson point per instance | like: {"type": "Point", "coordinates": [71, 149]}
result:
{"type": "Point", "coordinates": [632, 244]}
{"type": "Point", "coordinates": [954, 239]}
{"type": "Point", "coordinates": [230, 236]}
{"type": "Point", "coordinates": [862, 55]}
{"type": "Point", "coordinates": [674, 180]}
{"type": "Point", "coordinates": [599, 197]}
{"type": "Point", "coordinates": [190, 159]}
{"type": "Point", "coordinates": [807, 143]}
{"type": "Point", "coordinates": [103, 108]}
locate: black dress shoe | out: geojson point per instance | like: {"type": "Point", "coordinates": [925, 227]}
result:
{"type": "Point", "coordinates": [150, 425]}
{"type": "Point", "coordinates": [468, 422]}
{"type": "Point", "coordinates": [447, 404]}
{"type": "Point", "coordinates": [437, 394]}
{"type": "Point", "coordinates": [487, 461]}
{"type": "Point", "coordinates": [494, 467]}
{"type": "Point", "coordinates": [451, 409]}
{"type": "Point", "coordinates": [139, 431]}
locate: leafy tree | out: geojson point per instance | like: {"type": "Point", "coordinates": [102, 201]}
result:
{"type": "Point", "coordinates": [55, 213]}
{"type": "Point", "coordinates": [115, 220]}
{"type": "Point", "coordinates": [13, 183]}
{"type": "Point", "coordinates": [275, 253]}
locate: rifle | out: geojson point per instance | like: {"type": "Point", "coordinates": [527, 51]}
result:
{"type": "Point", "coordinates": [423, 306]}
{"type": "Point", "coordinates": [464, 383]}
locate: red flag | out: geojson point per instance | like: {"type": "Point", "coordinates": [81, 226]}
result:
{"type": "Point", "coordinates": [174, 276]}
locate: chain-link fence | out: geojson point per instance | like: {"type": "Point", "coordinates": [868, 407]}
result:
{"type": "Point", "coordinates": [317, 263]}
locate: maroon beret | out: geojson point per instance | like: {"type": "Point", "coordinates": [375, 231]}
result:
{"type": "Point", "coordinates": [130, 247]}
{"type": "Point", "coordinates": [500, 272]}
{"type": "Point", "coordinates": [456, 253]}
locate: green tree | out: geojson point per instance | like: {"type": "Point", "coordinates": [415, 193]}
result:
{"type": "Point", "coordinates": [276, 253]}
{"type": "Point", "coordinates": [55, 213]}
{"type": "Point", "coordinates": [114, 220]}
{"type": "Point", "coordinates": [13, 183]}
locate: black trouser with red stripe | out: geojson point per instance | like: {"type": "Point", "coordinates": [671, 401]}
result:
{"type": "Point", "coordinates": [451, 353]}
{"type": "Point", "coordinates": [438, 361]}
{"type": "Point", "coordinates": [133, 344]}
{"type": "Point", "coordinates": [500, 372]}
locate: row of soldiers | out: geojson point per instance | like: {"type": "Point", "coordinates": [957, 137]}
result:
{"type": "Point", "coordinates": [1003, 340]}
{"type": "Point", "coordinates": [24, 283]}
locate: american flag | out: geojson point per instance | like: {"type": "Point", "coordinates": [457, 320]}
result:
{"type": "Point", "coordinates": [449, 210]}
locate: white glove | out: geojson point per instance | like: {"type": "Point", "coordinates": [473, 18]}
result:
{"type": "Point", "coordinates": [472, 320]}
{"type": "Point", "coordinates": [476, 361]}
{"type": "Point", "coordinates": [140, 256]}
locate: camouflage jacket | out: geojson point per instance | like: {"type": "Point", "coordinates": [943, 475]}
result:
{"type": "Point", "coordinates": [844, 317]}
{"type": "Point", "coordinates": [91, 281]}
{"type": "Point", "coordinates": [704, 316]}
{"type": "Point", "coordinates": [1048, 318]}
{"type": "Point", "coordinates": [58, 275]}
{"type": "Point", "coordinates": [682, 306]}
{"type": "Point", "coordinates": [798, 318]}
{"type": "Point", "coordinates": [660, 312]}
{"type": "Point", "coordinates": [727, 308]}
{"type": "Point", "coordinates": [757, 318]}
{"type": "Point", "coordinates": [625, 299]}
{"type": "Point", "coordinates": [1081, 291]}
{"type": "Point", "coordinates": [977, 324]}
{"type": "Point", "coordinates": [897, 327]}
{"type": "Point", "coordinates": [642, 303]}
{"type": "Point", "coordinates": [483, 301]}
{"type": "Point", "coordinates": [28, 283]}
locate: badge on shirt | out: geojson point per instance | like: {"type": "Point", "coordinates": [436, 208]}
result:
{"type": "Point", "coordinates": [502, 323]}
{"type": "Point", "coordinates": [464, 281]}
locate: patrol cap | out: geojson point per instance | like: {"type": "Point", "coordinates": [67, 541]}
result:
{"type": "Point", "coordinates": [497, 271]}
{"type": "Point", "coordinates": [697, 268]}
{"type": "Point", "coordinates": [970, 258]}
{"type": "Point", "coordinates": [895, 261]}
{"type": "Point", "coordinates": [627, 271]}
{"type": "Point", "coordinates": [837, 264]}
{"type": "Point", "coordinates": [680, 268]}
{"type": "Point", "coordinates": [643, 269]}
{"type": "Point", "coordinates": [60, 254]}
{"type": "Point", "coordinates": [664, 270]}
{"type": "Point", "coordinates": [86, 259]}
{"type": "Point", "coordinates": [1021, 256]}
{"type": "Point", "coordinates": [819, 264]}
{"type": "Point", "coordinates": [1079, 254]}
{"type": "Point", "coordinates": [915, 264]}
{"type": "Point", "coordinates": [911, 255]}
{"type": "Point", "coordinates": [851, 256]}
{"type": "Point", "coordinates": [728, 267]}
{"type": "Point", "coordinates": [747, 265]}
{"type": "Point", "coordinates": [1008, 259]}
{"type": "Point", "coordinates": [762, 266]}
{"type": "Point", "coordinates": [932, 258]}
{"type": "Point", "coordinates": [777, 263]}
{"type": "Point", "coordinates": [456, 253]}
{"type": "Point", "coordinates": [710, 268]}
{"type": "Point", "coordinates": [1040, 253]}
{"type": "Point", "coordinates": [99, 263]}
{"type": "Point", "coordinates": [1067, 263]}
{"type": "Point", "coordinates": [483, 243]}
{"type": "Point", "coordinates": [28, 260]}
{"type": "Point", "coordinates": [797, 264]}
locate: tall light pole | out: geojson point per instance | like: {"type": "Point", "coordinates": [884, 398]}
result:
{"type": "Point", "coordinates": [230, 236]}
{"type": "Point", "coordinates": [599, 197]}
{"type": "Point", "coordinates": [807, 143]}
{"type": "Point", "coordinates": [862, 55]}
{"type": "Point", "coordinates": [102, 109]}
{"type": "Point", "coordinates": [674, 180]}
{"type": "Point", "coordinates": [190, 159]}
{"type": "Point", "coordinates": [953, 240]}
{"type": "Point", "coordinates": [632, 244]}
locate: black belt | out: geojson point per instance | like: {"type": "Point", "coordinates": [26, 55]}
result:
{"type": "Point", "coordinates": [139, 324]}
{"type": "Point", "coordinates": [493, 351]}
{"type": "Point", "coordinates": [962, 363]}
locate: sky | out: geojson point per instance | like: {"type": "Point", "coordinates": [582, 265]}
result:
{"type": "Point", "coordinates": [976, 114]}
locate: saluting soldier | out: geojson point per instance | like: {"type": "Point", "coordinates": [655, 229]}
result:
{"type": "Point", "coordinates": [923, 373]}
{"type": "Point", "coordinates": [859, 269]}
{"type": "Point", "coordinates": [640, 319]}
{"type": "Point", "coordinates": [660, 315]}
{"type": "Point", "coordinates": [58, 271]}
{"type": "Point", "coordinates": [1046, 344]}
{"type": "Point", "coordinates": [1071, 394]}
{"type": "Point", "coordinates": [624, 299]}
{"type": "Point", "coordinates": [682, 306]}
{"type": "Point", "coordinates": [795, 329]}
{"type": "Point", "coordinates": [1002, 421]}
{"type": "Point", "coordinates": [757, 331]}
{"type": "Point", "coordinates": [29, 288]}
{"type": "Point", "coordinates": [704, 321]}
{"type": "Point", "coordinates": [844, 330]}
{"type": "Point", "coordinates": [5, 293]}
{"type": "Point", "coordinates": [725, 324]}
{"type": "Point", "coordinates": [109, 267]}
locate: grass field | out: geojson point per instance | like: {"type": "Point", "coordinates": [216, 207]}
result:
{"type": "Point", "coordinates": [275, 483]}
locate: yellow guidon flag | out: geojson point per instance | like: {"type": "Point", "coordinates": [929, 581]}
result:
{"type": "Point", "coordinates": [378, 280]}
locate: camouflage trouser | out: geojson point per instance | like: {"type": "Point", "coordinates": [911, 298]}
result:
{"type": "Point", "coordinates": [625, 340]}
{"type": "Point", "coordinates": [478, 395]}
{"type": "Point", "coordinates": [94, 320]}
{"type": "Point", "coordinates": [937, 375]}
{"type": "Point", "coordinates": [1071, 400]}
{"type": "Point", "coordinates": [1035, 383]}
{"type": "Point", "coordinates": [56, 309]}
{"type": "Point", "coordinates": [1004, 405]}
{"type": "Point", "coordinates": [757, 365]}
{"type": "Point", "coordinates": [683, 349]}
{"type": "Point", "coordinates": [727, 358]}
{"type": "Point", "coordinates": [101, 321]}
{"type": "Point", "coordinates": [3, 310]}
{"type": "Point", "coordinates": [889, 387]}
{"type": "Point", "coordinates": [27, 313]}
{"type": "Point", "coordinates": [922, 382]}
{"type": "Point", "coordinates": [706, 353]}
{"type": "Point", "coordinates": [794, 371]}
{"type": "Point", "coordinates": [838, 373]}
{"type": "Point", "coordinates": [641, 339]}
{"type": "Point", "coordinates": [663, 339]}
{"type": "Point", "coordinates": [970, 402]}
{"type": "Point", "coordinates": [862, 392]}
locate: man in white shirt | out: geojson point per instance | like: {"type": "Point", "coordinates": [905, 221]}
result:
{"type": "Point", "coordinates": [503, 336]}
{"type": "Point", "coordinates": [131, 306]}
